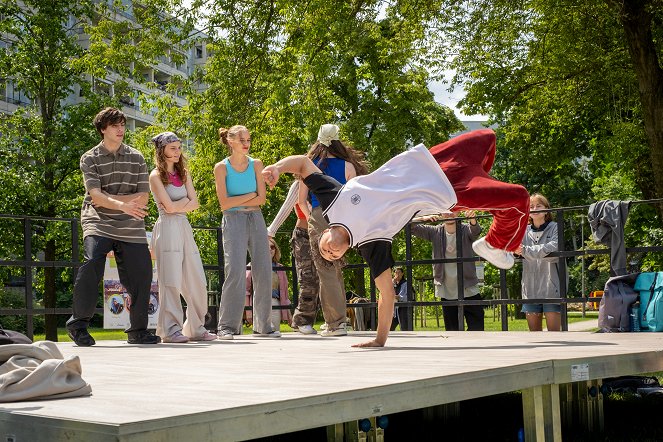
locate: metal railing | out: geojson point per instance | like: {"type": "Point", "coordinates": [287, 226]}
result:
{"type": "Point", "coordinates": [28, 265]}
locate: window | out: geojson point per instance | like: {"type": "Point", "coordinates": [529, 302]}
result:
{"type": "Point", "coordinates": [101, 87]}
{"type": "Point", "coordinates": [127, 100]}
{"type": "Point", "coordinates": [18, 96]}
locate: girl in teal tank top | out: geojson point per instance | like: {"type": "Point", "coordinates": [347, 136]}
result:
{"type": "Point", "coordinates": [241, 191]}
{"type": "Point", "coordinates": [240, 183]}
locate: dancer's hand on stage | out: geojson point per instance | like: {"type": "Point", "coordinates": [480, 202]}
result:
{"type": "Point", "coordinates": [271, 175]}
{"type": "Point", "coordinates": [369, 344]}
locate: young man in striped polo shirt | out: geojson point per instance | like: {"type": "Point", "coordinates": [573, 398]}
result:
{"type": "Point", "coordinates": [117, 192]}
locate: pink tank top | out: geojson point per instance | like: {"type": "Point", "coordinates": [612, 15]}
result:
{"type": "Point", "coordinates": [175, 179]}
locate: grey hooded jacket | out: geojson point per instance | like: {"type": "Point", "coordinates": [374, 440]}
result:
{"type": "Point", "coordinates": [435, 234]}
{"type": "Point", "coordinates": [607, 219]}
{"type": "Point", "coordinates": [540, 273]}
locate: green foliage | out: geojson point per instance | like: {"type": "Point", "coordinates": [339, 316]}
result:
{"type": "Point", "coordinates": [558, 80]}
{"type": "Point", "coordinates": [15, 299]}
{"type": "Point", "coordinates": [48, 60]}
{"type": "Point", "coordinates": [282, 73]}
{"type": "Point", "coordinates": [42, 143]}
{"type": "Point", "coordinates": [561, 81]}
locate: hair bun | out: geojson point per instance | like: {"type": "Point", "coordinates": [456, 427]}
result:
{"type": "Point", "coordinates": [223, 135]}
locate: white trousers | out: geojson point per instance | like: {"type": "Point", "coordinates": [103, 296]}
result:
{"type": "Point", "coordinates": [179, 271]}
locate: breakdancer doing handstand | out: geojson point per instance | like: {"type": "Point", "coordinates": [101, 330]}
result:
{"type": "Point", "coordinates": [369, 210]}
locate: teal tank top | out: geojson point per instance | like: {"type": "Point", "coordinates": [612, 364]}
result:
{"type": "Point", "coordinates": [240, 183]}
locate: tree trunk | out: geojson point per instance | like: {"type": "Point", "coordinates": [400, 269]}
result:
{"type": "Point", "coordinates": [636, 19]}
{"type": "Point", "coordinates": [50, 297]}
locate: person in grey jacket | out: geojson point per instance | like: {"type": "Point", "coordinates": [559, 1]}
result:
{"type": "Point", "coordinates": [445, 275]}
{"type": "Point", "coordinates": [540, 277]}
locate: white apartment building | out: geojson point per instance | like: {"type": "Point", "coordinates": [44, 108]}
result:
{"type": "Point", "coordinates": [159, 75]}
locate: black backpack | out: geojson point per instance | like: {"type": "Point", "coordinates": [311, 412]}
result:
{"type": "Point", "coordinates": [614, 309]}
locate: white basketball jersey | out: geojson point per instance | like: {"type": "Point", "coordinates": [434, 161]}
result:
{"type": "Point", "coordinates": [377, 206]}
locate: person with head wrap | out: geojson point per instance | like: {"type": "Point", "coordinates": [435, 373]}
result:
{"type": "Point", "coordinates": [179, 267]}
{"type": "Point", "coordinates": [341, 162]}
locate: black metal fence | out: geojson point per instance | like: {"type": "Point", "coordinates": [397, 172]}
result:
{"type": "Point", "coordinates": [28, 264]}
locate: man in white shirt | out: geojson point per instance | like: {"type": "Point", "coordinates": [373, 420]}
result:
{"type": "Point", "coordinates": [369, 210]}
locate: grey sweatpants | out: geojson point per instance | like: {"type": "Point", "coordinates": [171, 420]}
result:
{"type": "Point", "coordinates": [245, 231]}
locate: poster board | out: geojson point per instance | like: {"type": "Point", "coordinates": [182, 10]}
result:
{"type": "Point", "coordinates": [117, 302]}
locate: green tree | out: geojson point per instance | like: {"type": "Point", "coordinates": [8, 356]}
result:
{"type": "Point", "coordinates": [41, 142]}
{"type": "Point", "coordinates": [46, 57]}
{"type": "Point", "coordinates": [283, 68]}
{"type": "Point", "coordinates": [573, 87]}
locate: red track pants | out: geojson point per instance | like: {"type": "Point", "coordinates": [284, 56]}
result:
{"type": "Point", "coordinates": [466, 161]}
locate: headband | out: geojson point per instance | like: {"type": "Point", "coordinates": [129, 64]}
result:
{"type": "Point", "coordinates": [164, 138]}
{"type": "Point", "coordinates": [327, 133]}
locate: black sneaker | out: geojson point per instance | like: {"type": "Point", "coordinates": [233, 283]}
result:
{"type": "Point", "coordinates": [81, 337]}
{"type": "Point", "coordinates": [142, 337]}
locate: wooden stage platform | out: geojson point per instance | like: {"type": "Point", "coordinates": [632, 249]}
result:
{"type": "Point", "coordinates": [254, 387]}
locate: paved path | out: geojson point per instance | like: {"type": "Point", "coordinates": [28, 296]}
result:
{"type": "Point", "coordinates": [590, 324]}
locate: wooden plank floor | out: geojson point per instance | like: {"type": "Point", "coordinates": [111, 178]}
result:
{"type": "Point", "coordinates": [254, 387]}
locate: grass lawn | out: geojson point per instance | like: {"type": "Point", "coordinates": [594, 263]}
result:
{"type": "Point", "coordinates": [492, 323]}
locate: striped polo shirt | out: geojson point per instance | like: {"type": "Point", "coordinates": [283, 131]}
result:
{"type": "Point", "coordinates": [120, 173]}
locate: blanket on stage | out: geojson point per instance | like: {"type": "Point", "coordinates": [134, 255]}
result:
{"type": "Point", "coordinates": [39, 371]}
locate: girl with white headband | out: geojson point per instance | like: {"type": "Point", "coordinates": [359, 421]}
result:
{"type": "Point", "coordinates": [342, 163]}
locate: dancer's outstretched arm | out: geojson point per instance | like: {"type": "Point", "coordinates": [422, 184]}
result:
{"type": "Point", "coordinates": [385, 310]}
{"type": "Point", "coordinates": [296, 164]}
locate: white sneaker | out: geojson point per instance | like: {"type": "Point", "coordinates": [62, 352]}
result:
{"type": "Point", "coordinates": [306, 330]}
{"type": "Point", "coordinates": [272, 334]}
{"type": "Point", "coordinates": [340, 331]}
{"type": "Point", "coordinates": [225, 335]}
{"type": "Point", "coordinates": [497, 257]}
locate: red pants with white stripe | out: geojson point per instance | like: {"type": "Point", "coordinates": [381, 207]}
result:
{"type": "Point", "coordinates": [466, 161]}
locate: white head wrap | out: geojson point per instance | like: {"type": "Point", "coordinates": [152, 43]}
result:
{"type": "Point", "coordinates": [327, 133]}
